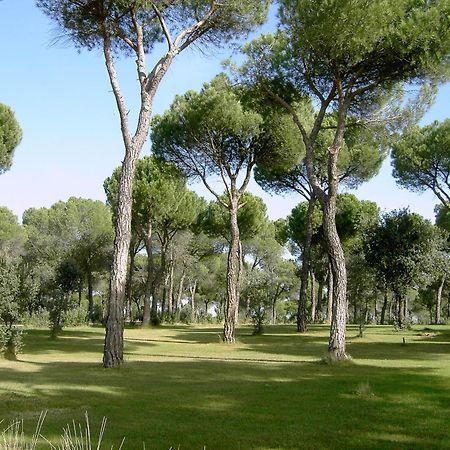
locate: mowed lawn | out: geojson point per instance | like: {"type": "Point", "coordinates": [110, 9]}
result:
{"type": "Point", "coordinates": [182, 388]}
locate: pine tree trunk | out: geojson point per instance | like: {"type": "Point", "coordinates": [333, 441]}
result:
{"type": "Point", "coordinates": [439, 300]}
{"type": "Point", "coordinates": [385, 305]}
{"type": "Point", "coordinates": [306, 263]}
{"type": "Point", "coordinates": [313, 293]}
{"type": "Point", "coordinates": [318, 308]}
{"type": "Point", "coordinates": [336, 346]}
{"type": "Point", "coordinates": [400, 310]}
{"type": "Point", "coordinates": [232, 274]}
{"type": "Point", "coordinates": [329, 294]}
{"type": "Point", "coordinates": [148, 294]}
{"type": "Point", "coordinates": [90, 295]}
{"type": "Point", "coordinates": [113, 347]}
{"type": "Point", "coordinates": [179, 295]}
{"type": "Point", "coordinates": [129, 286]}
{"type": "Point", "coordinates": [193, 290]}
{"type": "Point", "coordinates": [170, 287]}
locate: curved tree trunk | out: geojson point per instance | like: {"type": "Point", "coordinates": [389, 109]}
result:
{"type": "Point", "coordinates": [336, 346]}
{"type": "Point", "coordinates": [306, 263]}
{"type": "Point", "coordinates": [232, 274]}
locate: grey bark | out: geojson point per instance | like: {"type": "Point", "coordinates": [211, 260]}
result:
{"type": "Point", "coordinates": [231, 304]}
{"type": "Point", "coordinates": [113, 347]}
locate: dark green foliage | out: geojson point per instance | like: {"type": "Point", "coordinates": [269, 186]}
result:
{"type": "Point", "coordinates": [208, 133]}
{"type": "Point", "coordinates": [10, 137]}
{"type": "Point", "coordinates": [421, 160]}
{"type": "Point", "coordinates": [87, 22]}
{"type": "Point", "coordinates": [381, 42]}
{"type": "Point", "coordinates": [398, 247]}
{"type": "Point", "coordinates": [251, 218]}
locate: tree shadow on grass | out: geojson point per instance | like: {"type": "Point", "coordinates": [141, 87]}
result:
{"type": "Point", "coordinates": [230, 405]}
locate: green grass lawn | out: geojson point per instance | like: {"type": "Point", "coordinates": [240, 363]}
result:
{"type": "Point", "coordinates": [182, 388]}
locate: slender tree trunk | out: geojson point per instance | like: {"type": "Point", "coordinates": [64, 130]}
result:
{"type": "Point", "coordinates": [164, 277]}
{"type": "Point", "coordinates": [193, 290]}
{"type": "Point", "coordinates": [329, 294]}
{"type": "Point", "coordinates": [400, 310]}
{"type": "Point", "coordinates": [306, 263]}
{"type": "Point", "coordinates": [319, 299]}
{"type": "Point", "coordinates": [232, 274]}
{"type": "Point", "coordinates": [439, 299]}
{"type": "Point", "coordinates": [148, 294]}
{"type": "Point", "coordinates": [384, 307]}
{"type": "Point", "coordinates": [170, 285]}
{"type": "Point", "coordinates": [80, 291]}
{"type": "Point", "coordinates": [313, 293]}
{"type": "Point", "coordinates": [179, 295]}
{"type": "Point", "coordinates": [90, 295]}
{"type": "Point", "coordinates": [129, 286]}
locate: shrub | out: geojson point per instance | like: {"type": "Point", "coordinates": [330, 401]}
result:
{"type": "Point", "coordinates": [11, 341]}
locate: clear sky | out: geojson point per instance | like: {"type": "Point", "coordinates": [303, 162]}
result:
{"type": "Point", "coordinates": [72, 142]}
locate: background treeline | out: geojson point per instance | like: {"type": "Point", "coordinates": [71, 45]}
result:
{"type": "Point", "coordinates": [54, 268]}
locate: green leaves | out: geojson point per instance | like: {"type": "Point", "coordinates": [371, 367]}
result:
{"type": "Point", "coordinates": [10, 137]}
{"type": "Point", "coordinates": [207, 133]}
{"type": "Point", "coordinates": [421, 159]}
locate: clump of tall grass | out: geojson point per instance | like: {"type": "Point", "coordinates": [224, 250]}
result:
{"type": "Point", "coordinates": [74, 437]}
{"type": "Point", "coordinates": [13, 437]}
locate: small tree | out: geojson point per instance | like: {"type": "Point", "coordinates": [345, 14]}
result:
{"type": "Point", "coordinates": [210, 133]}
{"type": "Point", "coordinates": [398, 248]}
{"type": "Point", "coordinates": [421, 160]}
{"type": "Point", "coordinates": [10, 136]}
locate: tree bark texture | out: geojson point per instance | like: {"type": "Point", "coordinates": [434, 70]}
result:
{"type": "Point", "coordinates": [232, 274]}
{"type": "Point", "coordinates": [336, 346]}
{"type": "Point", "coordinates": [113, 347]}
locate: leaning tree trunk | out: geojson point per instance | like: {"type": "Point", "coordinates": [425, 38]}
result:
{"type": "Point", "coordinates": [306, 263]}
{"type": "Point", "coordinates": [113, 347]}
{"type": "Point", "coordinates": [336, 346]}
{"type": "Point", "coordinates": [232, 274]}
{"type": "Point", "coordinates": [439, 300]}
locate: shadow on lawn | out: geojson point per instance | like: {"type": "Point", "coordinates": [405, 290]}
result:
{"type": "Point", "coordinates": [229, 405]}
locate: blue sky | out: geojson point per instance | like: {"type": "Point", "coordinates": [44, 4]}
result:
{"type": "Point", "coordinates": [72, 141]}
